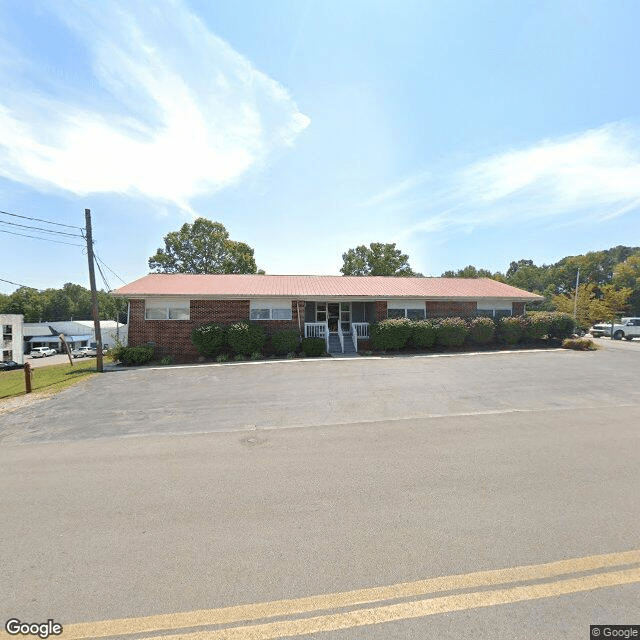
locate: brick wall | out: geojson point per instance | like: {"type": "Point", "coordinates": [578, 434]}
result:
{"type": "Point", "coordinates": [518, 308]}
{"type": "Point", "coordinates": [173, 337]}
{"type": "Point", "coordinates": [450, 308]}
{"type": "Point", "coordinates": [380, 310]}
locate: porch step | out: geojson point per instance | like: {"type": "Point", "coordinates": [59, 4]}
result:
{"type": "Point", "coordinates": [334, 343]}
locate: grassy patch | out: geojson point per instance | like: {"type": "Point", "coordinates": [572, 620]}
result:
{"type": "Point", "coordinates": [580, 344]}
{"type": "Point", "coordinates": [49, 379]}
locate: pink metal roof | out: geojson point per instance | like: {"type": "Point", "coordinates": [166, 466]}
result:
{"type": "Point", "coordinates": [318, 287]}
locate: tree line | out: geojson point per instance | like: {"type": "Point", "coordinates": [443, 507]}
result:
{"type": "Point", "coordinates": [609, 279]}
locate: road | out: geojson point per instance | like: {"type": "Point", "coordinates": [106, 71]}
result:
{"type": "Point", "coordinates": [295, 484]}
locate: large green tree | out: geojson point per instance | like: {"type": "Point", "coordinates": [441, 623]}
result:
{"type": "Point", "coordinates": [376, 260]}
{"type": "Point", "coordinates": [202, 247]}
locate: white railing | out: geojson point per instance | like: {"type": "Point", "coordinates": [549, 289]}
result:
{"type": "Point", "coordinates": [361, 329]}
{"type": "Point", "coordinates": [317, 330]}
{"type": "Point", "coordinates": [341, 336]}
{"type": "Point", "coordinates": [354, 337]}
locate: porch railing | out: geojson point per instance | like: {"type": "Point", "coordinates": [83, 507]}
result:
{"type": "Point", "coordinates": [341, 336]}
{"type": "Point", "coordinates": [359, 330]}
{"type": "Point", "coordinates": [317, 330]}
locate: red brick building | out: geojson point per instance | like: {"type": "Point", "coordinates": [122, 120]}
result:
{"type": "Point", "coordinates": [165, 308]}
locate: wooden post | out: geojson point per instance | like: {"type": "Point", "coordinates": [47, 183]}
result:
{"type": "Point", "coordinates": [94, 292]}
{"type": "Point", "coordinates": [27, 377]}
{"type": "Point", "coordinates": [65, 344]}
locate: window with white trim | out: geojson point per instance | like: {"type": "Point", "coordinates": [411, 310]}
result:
{"type": "Point", "coordinates": [412, 309]}
{"type": "Point", "coordinates": [167, 310]}
{"type": "Point", "coordinates": [493, 308]}
{"type": "Point", "coordinates": [270, 310]}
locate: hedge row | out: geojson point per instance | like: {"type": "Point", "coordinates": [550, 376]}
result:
{"type": "Point", "coordinates": [241, 338]}
{"type": "Point", "coordinates": [398, 333]}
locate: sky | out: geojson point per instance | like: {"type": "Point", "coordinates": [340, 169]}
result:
{"type": "Point", "coordinates": [467, 132]}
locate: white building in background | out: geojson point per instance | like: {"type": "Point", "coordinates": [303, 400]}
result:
{"type": "Point", "coordinates": [12, 337]}
{"type": "Point", "coordinates": [77, 333]}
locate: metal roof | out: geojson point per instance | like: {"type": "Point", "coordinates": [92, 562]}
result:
{"type": "Point", "coordinates": [319, 287]}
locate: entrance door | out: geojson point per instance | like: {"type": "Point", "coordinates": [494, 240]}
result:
{"type": "Point", "coordinates": [333, 315]}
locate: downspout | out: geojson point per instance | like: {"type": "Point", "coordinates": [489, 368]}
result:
{"type": "Point", "coordinates": [298, 310]}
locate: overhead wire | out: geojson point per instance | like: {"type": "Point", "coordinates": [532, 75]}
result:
{"type": "Point", "coordinates": [59, 224]}
{"type": "Point", "coordinates": [108, 267]}
{"type": "Point", "coordinates": [16, 283]}
{"type": "Point", "coordinates": [28, 226]}
{"type": "Point", "coordinates": [15, 233]}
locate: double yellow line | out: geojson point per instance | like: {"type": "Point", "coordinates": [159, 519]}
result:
{"type": "Point", "coordinates": [244, 617]}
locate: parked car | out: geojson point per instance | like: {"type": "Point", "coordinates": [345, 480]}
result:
{"type": "Point", "coordinates": [84, 352]}
{"type": "Point", "coordinates": [10, 365]}
{"type": "Point", "coordinates": [42, 352]}
{"type": "Point", "coordinates": [627, 328]}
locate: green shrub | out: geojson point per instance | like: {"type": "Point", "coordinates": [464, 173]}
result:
{"type": "Point", "coordinates": [313, 347]}
{"type": "Point", "coordinates": [209, 339]}
{"type": "Point", "coordinates": [167, 360]}
{"type": "Point", "coordinates": [223, 357]}
{"type": "Point", "coordinates": [284, 341]}
{"type": "Point", "coordinates": [239, 358]}
{"type": "Point", "coordinates": [245, 338]}
{"type": "Point", "coordinates": [481, 330]}
{"type": "Point", "coordinates": [537, 325]}
{"type": "Point", "coordinates": [291, 355]}
{"type": "Point", "coordinates": [392, 333]}
{"type": "Point", "coordinates": [130, 356]}
{"type": "Point", "coordinates": [511, 329]}
{"type": "Point", "coordinates": [451, 332]}
{"type": "Point", "coordinates": [423, 334]}
{"type": "Point", "coordinates": [580, 344]}
{"type": "Point", "coordinates": [561, 325]}
{"type": "Point", "coordinates": [256, 355]}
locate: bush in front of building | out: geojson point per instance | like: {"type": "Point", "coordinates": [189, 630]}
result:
{"type": "Point", "coordinates": [423, 334]}
{"type": "Point", "coordinates": [511, 329]}
{"type": "Point", "coordinates": [245, 338]}
{"type": "Point", "coordinates": [313, 347]}
{"type": "Point", "coordinates": [284, 342]}
{"type": "Point", "coordinates": [482, 330]}
{"type": "Point", "coordinates": [392, 333]}
{"type": "Point", "coordinates": [537, 325]}
{"type": "Point", "coordinates": [209, 339]}
{"type": "Point", "coordinates": [131, 356]}
{"type": "Point", "coordinates": [561, 325]}
{"type": "Point", "coordinates": [451, 332]}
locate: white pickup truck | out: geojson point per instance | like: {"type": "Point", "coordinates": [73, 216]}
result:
{"type": "Point", "coordinates": [627, 328]}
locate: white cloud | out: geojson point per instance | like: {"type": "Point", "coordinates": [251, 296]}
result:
{"type": "Point", "coordinates": [594, 175]}
{"type": "Point", "coordinates": [176, 113]}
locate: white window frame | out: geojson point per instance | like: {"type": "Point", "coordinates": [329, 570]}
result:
{"type": "Point", "coordinates": [493, 306]}
{"type": "Point", "coordinates": [165, 308]}
{"type": "Point", "coordinates": [407, 305]}
{"type": "Point", "coordinates": [273, 308]}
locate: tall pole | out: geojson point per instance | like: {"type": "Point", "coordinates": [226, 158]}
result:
{"type": "Point", "coordinates": [94, 292]}
{"type": "Point", "coordinates": [575, 300]}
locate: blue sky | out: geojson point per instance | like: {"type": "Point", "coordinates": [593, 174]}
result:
{"type": "Point", "coordinates": [469, 132]}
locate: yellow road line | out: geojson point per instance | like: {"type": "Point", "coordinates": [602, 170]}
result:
{"type": "Point", "coordinates": [310, 604]}
{"type": "Point", "coordinates": [409, 610]}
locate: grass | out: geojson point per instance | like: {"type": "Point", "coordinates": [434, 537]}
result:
{"type": "Point", "coordinates": [49, 379]}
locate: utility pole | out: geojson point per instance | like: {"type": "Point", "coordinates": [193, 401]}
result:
{"type": "Point", "coordinates": [94, 292]}
{"type": "Point", "coordinates": [575, 300]}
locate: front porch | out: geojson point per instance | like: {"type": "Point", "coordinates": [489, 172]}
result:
{"type": "Point", "coordinates": [340, 324]}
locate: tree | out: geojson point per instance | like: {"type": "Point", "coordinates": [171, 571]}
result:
{"type": "Point", "coordinates": [376, 260]}
{"type": "Point", "coordinates": [203, 247]}
{"type": "Point", "coordinates": [594, 305]}
{"type": "Point", "coordinates": [468, 272]}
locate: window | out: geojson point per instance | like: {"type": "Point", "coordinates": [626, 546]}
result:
{"type": "Point", "coordinates": [167, 310]}
{"type": "Point", "coordinates": [271, 310]}
{"type": "Point", "coordinates": [321, 312]}
{"type": "Point", "coordinates": [7, 330]}
{"type": "Point", "coordinates": [412, 314]}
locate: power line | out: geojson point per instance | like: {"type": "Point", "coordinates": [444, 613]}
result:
{"type": "Point", "coordinates": [14, 233]}
{"type": "Point", "coordinates": [28, 226]}
{"type": "Point", "coordinates": [16, 283]}
{"type": "Point", "coordinates": [60, 224]}
{"type": "Point", "coordinates": [103, 278]}
{"type": "Point", "coordinates": [108, 267]}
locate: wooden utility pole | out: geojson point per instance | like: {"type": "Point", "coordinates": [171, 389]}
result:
{"type": "Point", "coordinates": [65, 345]}
{"type": "Point", "coordinates": [94, 292]}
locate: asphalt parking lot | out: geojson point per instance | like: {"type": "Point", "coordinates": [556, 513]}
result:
{"type": "Point", "coordinates": [204, 490]}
